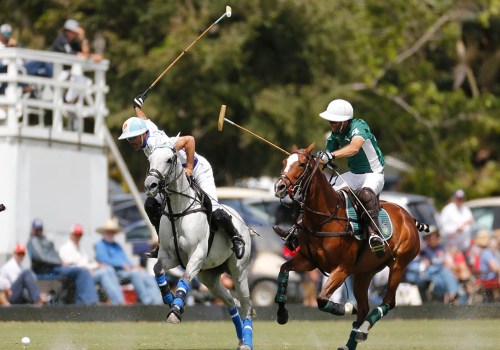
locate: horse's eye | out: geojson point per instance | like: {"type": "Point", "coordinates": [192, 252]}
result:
{"type": "Point", "coordinates": [169, 161]}
{"type": "Point", "coordinates": [302, 165]}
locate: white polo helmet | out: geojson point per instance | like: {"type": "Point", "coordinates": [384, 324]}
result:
{"type": "Point", "coordinates": [338, 111]}
{"type": "Point", "coordinates": [133, 127]}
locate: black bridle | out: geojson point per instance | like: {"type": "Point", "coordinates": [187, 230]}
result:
{"type": "Point", "coordinates": [298, 191]}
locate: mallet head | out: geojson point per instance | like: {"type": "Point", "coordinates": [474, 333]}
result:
{"type": "Point", "coordinates": [222, 114]}
{"type": "Point", "coordinates": [228, 11]}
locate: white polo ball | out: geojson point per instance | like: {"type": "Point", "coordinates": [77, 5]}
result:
{"type": "Point", "coordinates": [26, 341]}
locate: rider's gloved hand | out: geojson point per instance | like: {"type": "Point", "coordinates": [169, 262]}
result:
{"type": "Point", "coordinates": [139, 101]}
{"type": "Point", "coordinates": [327, 158]}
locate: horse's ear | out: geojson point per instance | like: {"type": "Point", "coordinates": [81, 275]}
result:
{"type": "Point", "coordinates": [294, 148]}
{"type": "Point", "coordinates": [311, 147]}
{"type": "Point", "coordinates": [174, 142]}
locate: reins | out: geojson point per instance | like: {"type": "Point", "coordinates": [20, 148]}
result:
{"type": "Point", "coordinates": [301, 187]}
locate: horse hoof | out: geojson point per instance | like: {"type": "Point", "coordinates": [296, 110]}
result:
{"type": "Point", "coordinates": [283, 318]}
{"type": "Point", "coordinates": [361, 337]}
{"type": "Point", "coordinates": [244, 347]}
{"type": "Point", "coordinates": [343, 348]}
{"type": "Point", "coordinates": [174, 316]}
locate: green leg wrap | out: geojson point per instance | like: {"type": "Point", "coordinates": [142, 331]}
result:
{"type": "Point", "coordinates": [333, 308]}
{"type": "Point", "coordinates": [282, 286]}
{"type": "Point", "coordinates": [377, 313]}
{"type": "Point", "coordinates": [352, 343]}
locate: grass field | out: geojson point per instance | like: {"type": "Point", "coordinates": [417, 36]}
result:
{"type": "Point", "coordinates": [304, 335]}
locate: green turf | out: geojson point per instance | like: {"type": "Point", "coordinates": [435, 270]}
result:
{"type": "Point", "coordinates": [386, 335]}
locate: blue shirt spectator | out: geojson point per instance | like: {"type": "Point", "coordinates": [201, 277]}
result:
{"type": "Point", "coordinates": [111, 253]}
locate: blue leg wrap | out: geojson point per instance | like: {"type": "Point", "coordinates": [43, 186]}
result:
{"type": "Point", "coordinates": [248, 332]}
{"type": "Point", "coordinates": [166, 293]}
{"type": "Point", "coordinates": [181, 294]}
{"type": "Point", "coordinates": [238, 325]}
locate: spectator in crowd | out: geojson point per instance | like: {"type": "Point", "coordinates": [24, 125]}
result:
{"type": "Point", "coordinates": [457, 262]}
{"type": "Point", "coordinates": [109, 252]}
{"type": "Point", "coordinates": [73, 255]}
{"type": "Point", "coordinates": [6, 39]}
{"type": "Point", "coordinates": [436, 278]}
{"type": "Point", "coordinates": [72, 40]}
{"type": "Point", "coordinates": [45, 260]}
{"type": "Point", "coordinates": [4, 287]}
{"type": "Point", "coordinates": [489, 265]}
{"type": "Point", "coordinates": [457, 223]}
{"type": "Point", "coordinates": [20, 283]}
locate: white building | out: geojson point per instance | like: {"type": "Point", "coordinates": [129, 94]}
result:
{"type": "Point", "coordinates": [53, 159]}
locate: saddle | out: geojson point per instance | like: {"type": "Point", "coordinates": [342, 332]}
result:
{"type": "Point", "coordinates": [353, 212]}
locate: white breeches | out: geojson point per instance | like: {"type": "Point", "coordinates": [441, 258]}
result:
{"type": "Point", "coordinates": [374, 181]}
{"type": "Point", "coordinates": [204, 177]}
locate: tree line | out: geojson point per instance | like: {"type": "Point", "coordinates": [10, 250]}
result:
{"type": "Point", "coordinates": [424, 74]}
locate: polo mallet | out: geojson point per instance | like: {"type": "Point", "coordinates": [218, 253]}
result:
{"type": "Point", "coordinates": [226, 14]}
{"type": "Point", "coordinates": [220, 125]}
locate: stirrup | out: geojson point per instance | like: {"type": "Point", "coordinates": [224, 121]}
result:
{"type": "Point", "coordinates": [292, 241]}
{"type": "Point", "coordinates": [376, 243]}
{"type": "Point", "coordinates": [280, 232]}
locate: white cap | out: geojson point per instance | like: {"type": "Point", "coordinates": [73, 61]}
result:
{"type": "Point", "coordinates": [133, 126]}
{"type": "Point", "coordinates": [6, 30]}
{"type": "Point", "coordinates": [338, 111]}
{"type": "Point", "coordinates": [71, 25]}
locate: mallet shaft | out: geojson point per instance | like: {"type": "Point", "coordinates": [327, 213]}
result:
{"type": "Point", "coordinates": [227, 13]}
{"type": "Point", "coordinates": [257, 136]}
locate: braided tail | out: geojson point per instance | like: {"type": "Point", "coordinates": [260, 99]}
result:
{"type": "Point", "coordinates": [421, 227]}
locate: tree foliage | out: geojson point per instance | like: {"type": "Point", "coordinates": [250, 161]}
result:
{"type": "Point", "coordinates": [424, 74]}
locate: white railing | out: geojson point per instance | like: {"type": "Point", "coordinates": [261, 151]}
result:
{"type": "Point", "coordinates": [68, 103]}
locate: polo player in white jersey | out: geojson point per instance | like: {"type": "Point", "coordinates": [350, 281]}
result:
{"type": "Point", "coordinates": [142, 133]}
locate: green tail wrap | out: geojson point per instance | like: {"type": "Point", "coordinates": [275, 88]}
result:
{"type": "Point", "coordinates": [282, 286]}
{"type": "Point", "coordinates": [377, 313]}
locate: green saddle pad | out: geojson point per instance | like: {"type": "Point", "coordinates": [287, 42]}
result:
{"type": "Point", "coordinates": [384, 220]}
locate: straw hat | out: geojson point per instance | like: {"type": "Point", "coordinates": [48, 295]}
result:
{"type": "Point", "coordinates": [482, 238]}
{"type": "Point", "coordinates": [111, 226]}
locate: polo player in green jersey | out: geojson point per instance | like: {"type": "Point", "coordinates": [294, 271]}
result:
{"type": "Point", "coordinates": [352, 139]}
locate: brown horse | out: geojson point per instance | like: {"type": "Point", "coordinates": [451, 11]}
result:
{"type": "Point", "coordinates": [327, 242]}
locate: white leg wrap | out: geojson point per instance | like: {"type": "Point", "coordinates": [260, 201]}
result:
{"type": "Point", "coordinates": [348, 309]}
{"type": "Point", "coordinates": [365, 327]}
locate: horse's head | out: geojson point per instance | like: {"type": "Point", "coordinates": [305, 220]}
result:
{"type": "Point", "coordinates": [162, 164]}
{"type": "Point", "coordinates": [294, 170]}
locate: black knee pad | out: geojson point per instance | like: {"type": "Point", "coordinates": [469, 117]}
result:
{"type": "Point", "coordinates": [221, 215]}
{"type": "Point", "coordinates": [369, 198]}
{"type": "Point", "coordinates": [152, 207]}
